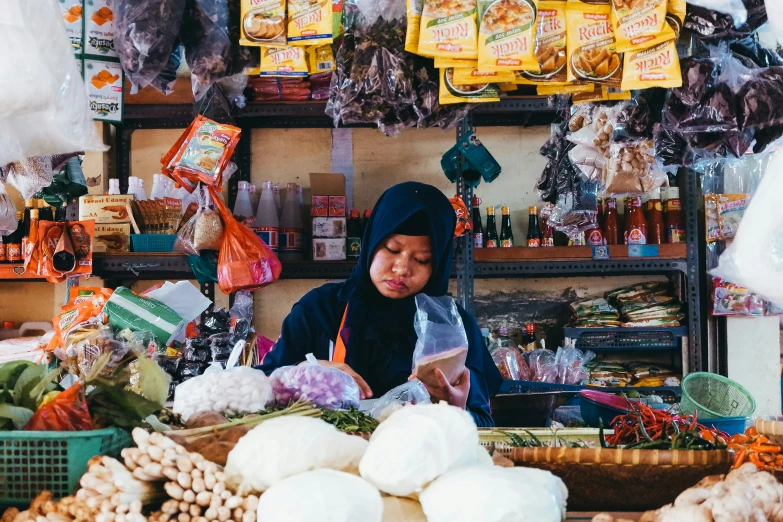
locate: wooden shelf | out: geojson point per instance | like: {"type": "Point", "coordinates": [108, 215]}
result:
{"type": "Point", "coordinates": [510, 255]}
{"type": "Point", "coordinates": [15, 272]}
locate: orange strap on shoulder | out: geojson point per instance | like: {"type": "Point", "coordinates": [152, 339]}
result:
{"type": "Point", "coordinates": [339, 346]}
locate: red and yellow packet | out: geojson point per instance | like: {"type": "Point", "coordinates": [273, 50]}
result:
{"type": "Point", "coordinates": [592, 44]}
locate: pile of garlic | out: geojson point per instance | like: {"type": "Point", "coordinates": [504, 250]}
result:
{"type": "Point", "coordinates": [236, 391]}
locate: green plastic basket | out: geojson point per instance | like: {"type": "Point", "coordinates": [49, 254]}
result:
{"type": "Point", "coordinates": [713, 396]}
{"type": "Point", "coordinates": [153, 242]}
{"type": "Point", "coordinates": [34, 461]}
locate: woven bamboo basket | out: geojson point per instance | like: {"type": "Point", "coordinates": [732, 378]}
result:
{"type": "Point", "coordinates": [601, 479]}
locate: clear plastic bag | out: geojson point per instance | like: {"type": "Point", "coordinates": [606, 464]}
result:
{"type": "Point", "coordinates": [735, 8]}
{"type": "Point", "coordinates": [147, 33]}
{"type": "Point", "coordinates": [775, 15]}
{"type": "Point", "coordinates": [543, 366]}
{"type": "Point", "coordinates": [412, 392]}
{"type": "Point", "coordinates": [208, 228]}
{"type": "Point", "coordinates": [236, 390]}
{"type": "Point", "coordinates": [309, 381]}
{"type": "Point", "coordinates": [631, 169]}
{"type": "Point", "coordinates": [754, 259]}
{"type": "Point", "coordinates": [186, 237]}
{"type": "Point", "coordinates": [442, 342]}
{"type": "Point", "coordinates": [8, 222]}
{"type": "Point", "coordinates": [571, 365]}
{"type": "Point", "coordinates": [66, 124]}
{"type": "Point", "coordinates": [511, 364]}
{"type": "Point", "coordinates": [26, 85]}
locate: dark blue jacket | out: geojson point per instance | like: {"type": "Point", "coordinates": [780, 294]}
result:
{"type": "Point", "coordinates": [315, 320]}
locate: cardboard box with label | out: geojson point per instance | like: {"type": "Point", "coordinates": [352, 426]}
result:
{"type": "Point", "coordinates": [328, 211]}
{"type": "Point", "coordinates": [106, 209]}
{"type": "Point", "coordinates": [329, 249]}
{"type": "Point", "coordinates": [112, 238]}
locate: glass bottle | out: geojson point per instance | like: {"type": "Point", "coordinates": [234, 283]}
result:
{"type": "Point", "coordinates": [636, 224]}
{"type": "Point", "coordinates": [533, 228]}
{"type": "Point", "coordinates": [491, 240]}
{"type": "Point", "coordinates": [478, 228]}
{"type": "Point", "coordinates": [267, 224]}
{"type": "Point", "coordinates": [243, 208]}
{"type": "Point", "coordinates": [506, 235]}
{"type": "Point", "coordinates": [656, 231]}
{"type": "Point", "coordinates": [611, 225]}
{"type": "Point", "coordinates": [290, 236]}
{"type": "Point", "coordinates": [675, 230]}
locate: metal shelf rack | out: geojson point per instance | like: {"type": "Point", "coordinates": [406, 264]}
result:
{"type": "Point", "coordinates": [511, 111]}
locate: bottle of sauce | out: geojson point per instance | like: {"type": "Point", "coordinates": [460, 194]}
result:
{"type": "Point", "coordinates": [595, 236]}
{"type": "Point", "coordinates": [675, 229]}
{"type": "Point", "coordinates": [654, 215]}
{"type": "Point", "coordinates": [478, 228]}
{"type": "Point", "coordinates": [14, 248]}
{"type": "Point", "coordinates": [533, 228]}
{"type": "Point", "coordinates": [529, 339]}
{"type": "Point", "coordinates": [45, 212]}
{"type": "Point", "coordinates": [547, 235]}
{"type": "Point", "coordinates": [636, 224]}
{"type": "Point", "coordinates": [291, 227]}
{"type": "Point", "coordinates": [267, 225]}
{"type": "Point", "coordinates": [28, 207]}
{"type": "Point", "coordinates": [32, 239]}
{"type": "Point", "coordinates": [506, 235]}
{"type": "Point", "coordinates": [611, 225]}
{"type": "Point", "coordinates": [353, 244]}
{"type": "Point", "coordinates": [491, 240]}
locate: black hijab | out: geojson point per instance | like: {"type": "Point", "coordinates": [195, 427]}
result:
{"type": "Point", "coordinates": [409, 208]}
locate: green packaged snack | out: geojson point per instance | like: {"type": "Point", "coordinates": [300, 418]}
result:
{"type": "Point", "coordinates": [644, 302]}
{"type": "Point", "coordinates": [646, 287]}
{"type": "Point", "coordinates": [587, 307]}
{"type": "Point", "coordinates": [125, 309]}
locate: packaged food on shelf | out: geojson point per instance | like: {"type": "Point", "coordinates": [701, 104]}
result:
{"type": "Point", "coordinates": [640, 25]}
{"type": "Point", "coordinates": [449, 29]}
{"type": "Point", "coordinates": [264, 23]}
{"type": "Point", "coordinates": [731, 208]}
{"type": "Point", "coordinates": [112, 238]}
{"type": "Point", "coordinates": [732, 299]}
{"type": "Point", "coordinates": [593, 54]}
{"type": "Point", "coordinates": [309, 23]}
{"type": "Point", "coordinates": [507, 35]}
{"type": "Point", "coordinates": [550, 45]}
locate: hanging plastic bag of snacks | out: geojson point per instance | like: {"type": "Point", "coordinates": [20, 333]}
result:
{"type": "Point", "coordinates": [208, 228]}
{"type": "Point", "coordinates": [631, 169]}
{"type": "Point", "coordinates": [244, 262]}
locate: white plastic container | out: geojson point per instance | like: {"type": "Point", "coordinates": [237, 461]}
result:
{"type": "Point", "coordinates": [114, 186]}
{"type": "Point", "coordinates": [266, 225]}
{"type": "Point", "coordinates": [8, 329]}
{"type": "Point", "coordinates": [278, 204]}
{"type": "Point", "coordinates": [243, 208]}
{"type": "Point", "coordinates": [291, 227]}
{"type": "Point", "coordinates": [136, 187]}
{"type": "Point", "coordinates": [158, 187]}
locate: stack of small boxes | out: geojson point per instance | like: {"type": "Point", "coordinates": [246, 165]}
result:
{"type": "Point", "coordinates": [329, 220]}
{"type": "Point", "coordinates": [112, 217]}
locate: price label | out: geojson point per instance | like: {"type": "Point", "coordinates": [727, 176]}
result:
{"type": "Point", "coordinates": [600, 252]}
{"type": "Point", "coordinates": [642, 250]}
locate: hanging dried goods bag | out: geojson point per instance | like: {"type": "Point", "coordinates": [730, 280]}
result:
{"type": "Point", "coordinates": [507, 35]}
{"type": "Point", "coordinates": [245, 262]}
{"type": "Point", "coordinates": [449, 28]}
{"type": "Point", "coordinates": [592, 45]}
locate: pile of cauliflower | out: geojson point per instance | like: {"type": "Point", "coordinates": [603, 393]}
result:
{"type": "Point", "coordinates": [423, 464]}
{"type": "Point", "coordinates": [744, 495]}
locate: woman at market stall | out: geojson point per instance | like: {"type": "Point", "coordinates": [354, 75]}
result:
{"type": "Point", "coordinates": [365, 326]}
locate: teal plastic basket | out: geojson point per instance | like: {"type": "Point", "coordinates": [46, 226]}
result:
{"type": "Point", "coordinates": [34, 461]}
{"type": "Point", "coordinates": [153, 242]}
{"type": "Point", "coordinates": [713, 396]}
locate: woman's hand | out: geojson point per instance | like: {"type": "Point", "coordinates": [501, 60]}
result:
{"type": "Point", "coordinates": [364, 389]}
{"type": "Point", "coordinates": [455, 394]}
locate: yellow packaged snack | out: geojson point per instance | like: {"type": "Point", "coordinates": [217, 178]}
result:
{"type": "Point", "coordinates": [571, 88]}
{"type": "Point", "coordinates": [320, 59]}
{"type": "Point", "coordinates": [283, 61]}
{"type": "Point", "coordinates": [596, 95]}
{"type": "Point", "coordinates": [472, 76]}
{"type": "Point", "coordinates": [592, 48]}
{"type": "Point", "coordinates": [309, 22]}
{"type": "Point", "coordinates": [263, 23]}
{"type": "Point", "coordinates": [658, 66]}
{"type": "Point", "coordinates": [507, 87]}
{"type": "Point", "coordinates": [614, 94]}
{"type": "Point", "coordinates": [448, 28]}
{"type": "Point", "coordinates": [677, 8]}
{"type": "Point", "coordinates": [445, 63]}
{"type": "Point", "coordinates": [640, 24]}
{"type": "Point", "coordinates": [450, 92]}
{"type": "Point", "coordinates": [507, 35]}
{"type": "Point", "coordinates": [414, 9]}
{"type": "Point", "coordinates": [550, 46]}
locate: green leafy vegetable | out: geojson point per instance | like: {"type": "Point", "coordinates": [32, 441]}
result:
{"type": "Point", "coordinates": [350, 421]}
{"type": "Point", "coordinates": [15, 414]}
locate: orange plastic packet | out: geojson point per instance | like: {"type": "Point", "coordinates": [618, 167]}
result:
{"type": "Point", "coordinates": [66, 412]}
{"type": "Point", "coordinates": [463, 217]}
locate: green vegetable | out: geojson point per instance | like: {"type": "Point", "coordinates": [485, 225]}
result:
{"type": "Point", "coordinates": [22, 385]}
{"type": "Point", "coordinates": [350, 421]}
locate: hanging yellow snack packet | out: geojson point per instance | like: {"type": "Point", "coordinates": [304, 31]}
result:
{"type": "Point", "coordinates": [309, 22]}
{"type": "Point", "coordinates": [658, 66]}
{"type": "Point", "coordinates": [507, 35]}
{"type": "Point", "coordinates": [450, 92]}
{"type": "Point", "coordinates": [571, 88]}
{"type": "Point", "coordinates": [445, 63]}
{"type": "Point", "coordinates": [472, 76]}
{"type": "Point", "coordinates": [550, 46]}
{"type": "Point", "coordinates": [677, 8]}
{"type": "Point", "coordinates": [283, 62]}
{"type": "Point", "coordinates": [414, 9]}
{"type": "Point", "coordinates": [592, 48]}
{"type": "Point", "coordinates": [448, 28]}
{"type": "Point", "coordinates": [640, 24]}
{"type": "Point", "coordinates": [320, 59]}
{"type": "Point", "coordinates": [263, 23]}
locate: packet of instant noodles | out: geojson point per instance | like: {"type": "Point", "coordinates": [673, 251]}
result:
{"type": "Point", "coordinates": [507, 35]}
{"type": "Point", "coordinates": [452, 92]}
{"type": "Point", "coordinates": [656, 66]}
{"type": "Point", "coordinates": [263, 23]}
{"type": "Point", "coordinates": [592, 45]}
{"type": "Point", "coordinates": [472, 76]}
{"type": "Point", "coordinates": [449, 28]}
{"type": "Point", "coordinates": [310, 22]}
{"type": "Point", "coordinates": [289, 61]}
{"type": "Point", "coordinates": [412, 31]}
